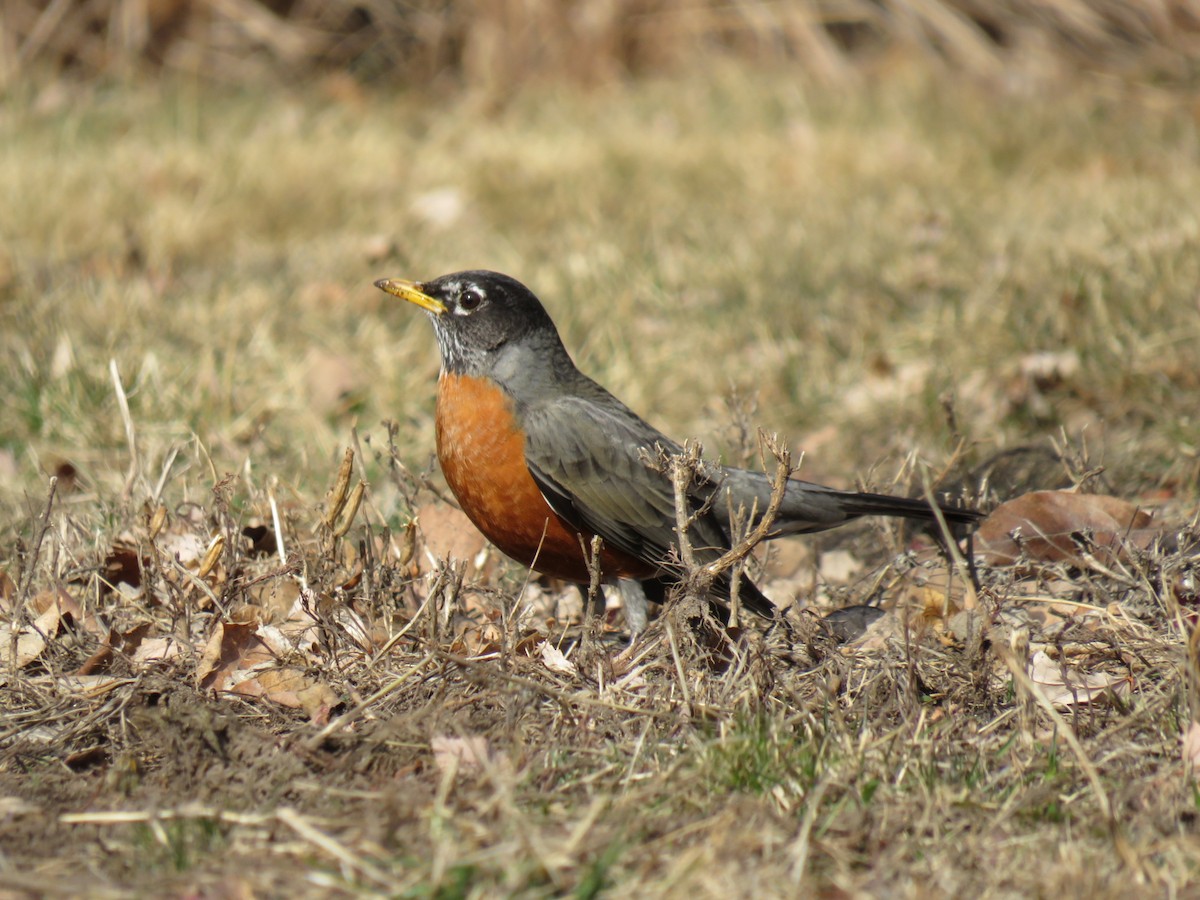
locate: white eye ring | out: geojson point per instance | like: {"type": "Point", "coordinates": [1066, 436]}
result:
{"type": "Point", "coordinates": [470, 300]}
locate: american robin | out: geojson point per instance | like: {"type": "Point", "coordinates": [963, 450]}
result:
{"type": "Point", "coordinates": [542, 458]}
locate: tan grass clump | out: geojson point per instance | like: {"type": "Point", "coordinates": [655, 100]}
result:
{"type": "Point", "coordinates": [493, 45]}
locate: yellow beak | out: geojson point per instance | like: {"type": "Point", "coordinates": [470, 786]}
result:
{"type": "Point", "coordinates": [411, 291]}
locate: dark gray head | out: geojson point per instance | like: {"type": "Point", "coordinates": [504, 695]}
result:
{"type": "Point", "coordinates": [486, 322]}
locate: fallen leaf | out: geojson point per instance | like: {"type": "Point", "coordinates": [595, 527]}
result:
{"type": "Point", "coordinates": [126, 643]}
{"type": "Point", "coordinates": [318, 702]}
{"type": "Point", "coordinates": [291, 688]}
{"type": "Point", "coordinates": [55, 609]}
{"type": "Point", "coordinates": [1066, 686]}
{"type": "Point", "coordinates": [232, 648]}
{"type": "Point", "coordinates": [155, 650]}
{"type": "Point", "coordinates": [446, 532]}
{"type": "Point", "coordinates": [302, 628]}
{"type": "Point", "coordinates": [21, 647]}
{"type": "Point", "coordinates": [555, 660]}
{"type": "Point", "coordinates": [69, 608]}
{"type": "Point", "coordinates": [529, 644]}
{"type": "Point", "coordinates": [274, 639]}
{"type": "Point", "coordinates": [1059, 526]}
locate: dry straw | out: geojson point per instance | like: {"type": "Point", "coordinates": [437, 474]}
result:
{"type": "Point", "coordinates": [490, 45]}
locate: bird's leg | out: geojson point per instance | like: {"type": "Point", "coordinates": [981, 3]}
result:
{"type": "Point", "coordinates": [634, 604]}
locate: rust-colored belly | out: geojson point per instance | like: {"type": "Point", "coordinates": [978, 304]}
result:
{"type": "Point", "coordinates": [482, 454]}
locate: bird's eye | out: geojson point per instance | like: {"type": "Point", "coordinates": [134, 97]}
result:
{"type": "Point", "coordinates": [470, 300]}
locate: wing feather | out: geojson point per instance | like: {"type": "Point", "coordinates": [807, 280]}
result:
{"type": "Point", "coordinates": [589, 463]}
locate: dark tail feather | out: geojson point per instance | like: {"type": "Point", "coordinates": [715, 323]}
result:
{"type": "Point", "coordinates": [855, 505]}
{"type": "Point", "coordinates": [809, 507]}
{"type": "Point", "coordinates": [749, 596]}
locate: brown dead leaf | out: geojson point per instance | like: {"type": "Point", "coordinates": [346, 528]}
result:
{"type": "Point", "coordinates": [53, 610]}
{"type": "Point", "coordinates": [447, 532]}
{"type": "Point", "coordinates": [318, 701]}
{"type": "Point", "coordinates": [476, 636]}
{"type": "Point", "coordinates": [155, 650]}
{"type": "Point", "coordinates": [528, 644]}
{"type": "Point", "coordinates": [232, 648]}
{"type": "Point", "coordinates": [555, 661]}
{"type": "Point", "coordinates": [1059, 526]}
{"type": "Point", "coordinates": [24, 645]}
{"type": "Point", "coordinates": [70, 609]}
{"type": "Point", "coordinates": [301, 629]}
{"type": "Point", "coordinates": [291, 688]}
{"type": "Point", "coordinates": [242, 657]}
{"type": "Point", "coordinates": [1066, 686]}
{"type": "Point", "coordinates": [127, 643]}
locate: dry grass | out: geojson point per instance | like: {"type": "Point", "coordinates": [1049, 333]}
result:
{"type": "Point", "coordinates": [493, 46]}
{"type": "Point", "coordinates": [878, 274]}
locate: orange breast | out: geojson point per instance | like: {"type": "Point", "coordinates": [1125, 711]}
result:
{"type": "Point", "coordinates": [482, 454]}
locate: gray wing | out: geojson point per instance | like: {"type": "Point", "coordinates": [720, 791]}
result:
{"type": "Point", "coordinates": [587, 461]}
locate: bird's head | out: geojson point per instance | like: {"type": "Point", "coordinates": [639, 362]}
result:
{"type": "Point", "coordinates": [481, 318]}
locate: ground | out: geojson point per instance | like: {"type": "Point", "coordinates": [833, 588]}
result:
{"type": "Point", "coordinates": [229, 675]}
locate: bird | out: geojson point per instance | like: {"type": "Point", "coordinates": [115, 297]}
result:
{"type": "Point", "coordinates": [542, 458]}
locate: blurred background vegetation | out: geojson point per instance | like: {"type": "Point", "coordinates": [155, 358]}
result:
{"type": "Point", "coordinates": [879, 226]}
{"type": "Point", "coordinates": [494, 45]}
